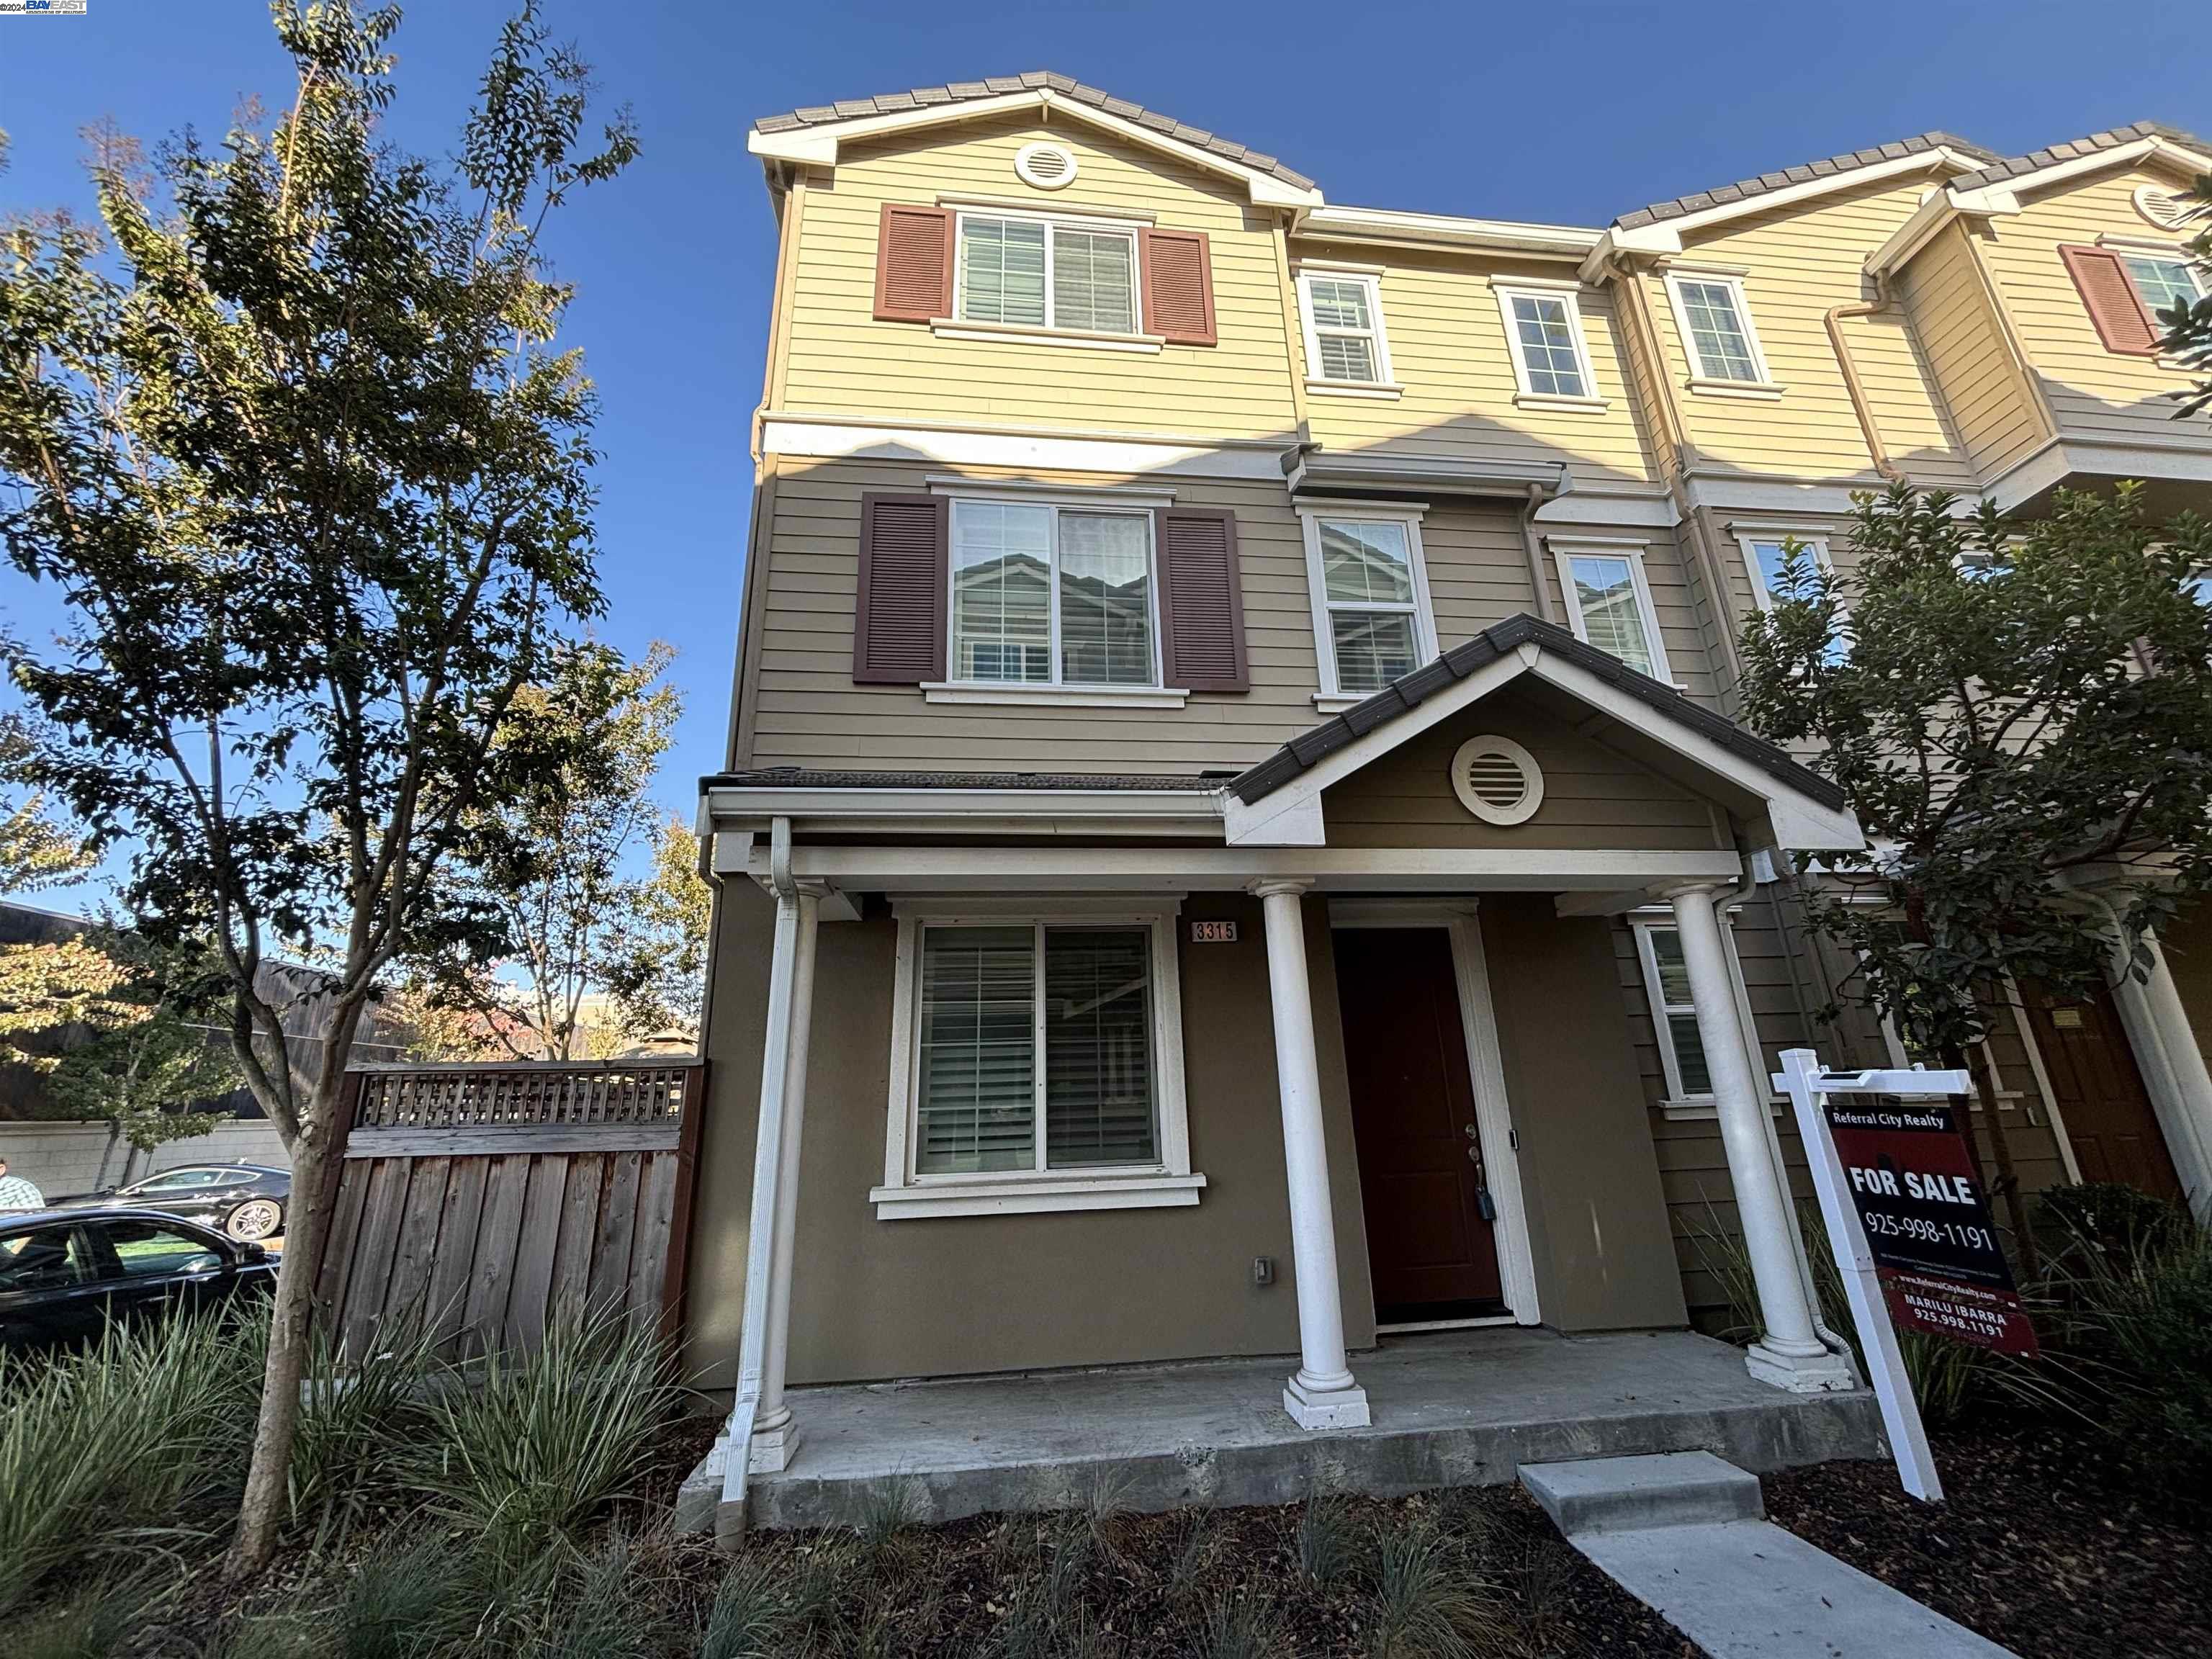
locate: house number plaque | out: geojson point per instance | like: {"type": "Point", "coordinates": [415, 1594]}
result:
{"type": "Point", "coordinates": [1213, 933]}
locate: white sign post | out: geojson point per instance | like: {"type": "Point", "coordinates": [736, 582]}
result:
{"type": "Point", "coordinates": [1808, 1086]}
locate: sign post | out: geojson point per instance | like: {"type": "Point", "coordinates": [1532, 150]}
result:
{"type": "Point", "coordinates": [1909, 1227]}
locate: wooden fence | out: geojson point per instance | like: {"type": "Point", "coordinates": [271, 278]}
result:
{"type": "Point", "coordinates": [488, 1199]}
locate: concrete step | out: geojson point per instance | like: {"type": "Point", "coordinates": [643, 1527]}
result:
{"type": "Point", "coordinates": [1624, 1494]}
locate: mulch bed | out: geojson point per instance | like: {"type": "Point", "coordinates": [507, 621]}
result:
{"type": "Point", "coordinates": [2047, 1543]}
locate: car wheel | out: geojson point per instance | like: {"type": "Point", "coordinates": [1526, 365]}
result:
{"type": "Point", "coordinates": [254, 1220]}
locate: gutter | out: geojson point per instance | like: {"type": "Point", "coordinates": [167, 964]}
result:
{"type": "Point", "coordinates": [1833, 322]}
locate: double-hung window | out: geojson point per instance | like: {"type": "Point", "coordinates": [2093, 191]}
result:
{"type": "Point", "coordinates": [1715, 319]}
{"type": "Point", "coordinates": [1544, 329]}
{"type": "Point", "coordinates": [1037, 1065]}
{"type": "Point", "coordinates": [1046, 594]}
{"type": "Point", "coordinates": [1344, 341]}
{"type": "Point", "coordinates": [1674, 1015]}
{"type": "Point", "coordinates": [1609, 603]}
{"type": "Point", "coordinates": [1041, 273]}
{"type": "Point", "coordinates": [1370, 597]}
{"type": "Point", "coordinates": [2163, 280]}
{"type": "Point", "coordinates": [1766, 556]}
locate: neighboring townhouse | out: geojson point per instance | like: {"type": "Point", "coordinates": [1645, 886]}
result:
{"type": "Point", "coordinates": [1232, 841]}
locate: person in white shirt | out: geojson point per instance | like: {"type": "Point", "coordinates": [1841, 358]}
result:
{"type": "Point", "coordinates": [17, 1194]}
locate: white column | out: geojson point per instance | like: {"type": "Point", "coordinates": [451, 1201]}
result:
{"type": "Point", "coordinates": [1323, 1394]}
{"type": "Point", "coordinates": [775, 1435]}
{"type": "Point", "coordinates": [2172, 1067]}
{"type": "Point", "coordinates": [1789, 1353]}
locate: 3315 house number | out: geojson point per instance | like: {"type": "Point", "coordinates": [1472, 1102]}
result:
{"type": "Point", "coordinates": [1213, 933]}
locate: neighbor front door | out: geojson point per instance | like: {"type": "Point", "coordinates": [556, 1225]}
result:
{"type": "Point", "coordinates": [2101, 1094]}
{"type": "Point", "coordinates": [1421, 1178]}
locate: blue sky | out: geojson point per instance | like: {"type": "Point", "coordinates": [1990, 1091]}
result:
{"type": "Point", "coordinates": [1559, 110]}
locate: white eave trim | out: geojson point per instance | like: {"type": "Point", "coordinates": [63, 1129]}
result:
{"type": "Point", "coordinates": [2003, 197]}
{"type": "Point", "coordinates": [818, 144]}
{"type": "Point", "coordinates": [1384, 224]}
{"type": "Point", "coordinates": [1197, 810]}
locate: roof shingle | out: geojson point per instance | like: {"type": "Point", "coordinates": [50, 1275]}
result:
{"type": "Point", "coordinates": [2012, 166]}
{"type": "Point", "coordinates": [998, 86]}
{"type": "Point", "coordinates": [1659, 212]}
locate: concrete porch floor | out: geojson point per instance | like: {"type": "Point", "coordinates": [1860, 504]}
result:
{"type": "Point", "coordinates": [1450, 1408]}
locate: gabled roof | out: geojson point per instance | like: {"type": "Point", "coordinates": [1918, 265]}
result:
{"type": "Point", "coordinates": [2014, 166]}
{"type": "Point", "coordinates": [1851, 162]}
{"type": "Point", "coordinates": [1408, 691]}
{"type": "Point", "coordinates": [1001, 86]}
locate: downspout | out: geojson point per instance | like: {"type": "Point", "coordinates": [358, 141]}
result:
{"type": "Point", "coordinates": [1545, 609]}
{"type": "Point", "coordinates": [1860, 407]}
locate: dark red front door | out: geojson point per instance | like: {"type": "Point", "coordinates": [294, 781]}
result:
{"type": "Point", "coordinates": [1413, 1117]}
{"type": "Point", "coordinates": [2101, 1094]}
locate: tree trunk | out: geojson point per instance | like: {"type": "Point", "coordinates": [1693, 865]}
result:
{"type": "Point", "coordinates": [1990, 1125]}
{"type": "Point", "coordinates": [106, 1152]}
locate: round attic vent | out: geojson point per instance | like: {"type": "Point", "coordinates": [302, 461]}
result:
{"type": "Point", "coordinates": [1047, 167]}
{"type": "Point", "coordinates": [1497, 779]}
{"type": "Point", "coordinates": [2168, 209]}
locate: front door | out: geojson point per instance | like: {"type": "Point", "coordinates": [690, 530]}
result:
{"type": "Point", "coordinates": [1421, 1178]}
{"type": "Point", "coordinates": [2099, 1092]}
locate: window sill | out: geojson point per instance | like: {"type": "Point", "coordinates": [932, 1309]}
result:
{"type": "Point", "coordinates": [948, 328]}
{"type": "Point", "coordinates": [1704, 1111]}
{"type": "Point", "coordinates": [1375, 390]}
{"type": "Point", "coordinates": [1035, 1196]}
{"type": "Point", "coordinates": [1548, 400]}
{"type": "Point", "coordinates": [1764, 392]}
{"type": "Point", "coordinates": [1335, 702]}
{"type": "Point", "coordinates": [1055, 696]}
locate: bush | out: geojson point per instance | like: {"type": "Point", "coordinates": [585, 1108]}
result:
{"type": "Point", "coordinates": [540, 1445]}
{"type": "Point", "coordinates": [102, 1448]}
{"type": "Point", "coordinates": [355, 1431]}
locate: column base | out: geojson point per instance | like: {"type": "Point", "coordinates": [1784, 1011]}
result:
{"type": "Point", "coordinates": [1825, 1372]}
{"type": "Point", "coordinates": [772, 1446]}
{"type": "Point", "coordinates": [1326, 1408]}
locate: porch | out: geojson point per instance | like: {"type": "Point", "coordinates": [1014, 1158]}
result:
{"type": "Point", "coordinates": [1450, 1408]}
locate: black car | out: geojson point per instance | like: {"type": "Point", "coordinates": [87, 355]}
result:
{"type": "Point", "coordinates": [246, 1200]}
{"type": "Point", "coordinates": [65, 1273]}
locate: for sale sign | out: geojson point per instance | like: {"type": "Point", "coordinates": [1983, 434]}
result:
{"type": "Point", "coordinates": [1911, 1177]}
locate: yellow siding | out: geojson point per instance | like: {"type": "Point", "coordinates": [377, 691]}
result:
{"type": "Point", "coordinates": [843, 360]}
{"type": "Point", "coordinates": [2091, 392]}
{"type": "Point", "coordinates": [1991, 405]}
{"type": "Point", "coordinates": [1801, 262]}
{"type": "Point", "coordinates": [1449, 350]}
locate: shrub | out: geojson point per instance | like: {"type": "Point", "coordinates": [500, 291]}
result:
{"type": "Point", "coordinates": [1325, 1539]}
{"type": "Point", "coordinates": [100, 1448]}
{"type": "Point", "coordinates": [751, 1615]}
{"type": "Point", "coordinates": [539, 1445]}
{"type": "Point", "coordinates": [1427, 1600]}
{"type": "Point", "coordinates": [2145, 1312]}
{"type": "Point", "coordinates": [354, 1431]}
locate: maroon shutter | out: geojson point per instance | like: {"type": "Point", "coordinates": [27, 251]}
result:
{"type": "Point", "coordinates": [1178, 285]}
{"type": "Point", "coordinates": [913, 263]}
{"type": "Point", "coordinates": [2123, 322]}
{"type": "Point", "coordinates": [1201, 601]}
{"type": "Point", "coordinates": [898, 626]}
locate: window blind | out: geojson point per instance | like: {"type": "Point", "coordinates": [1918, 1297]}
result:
{"type": "Point", "coordinates": [976, 1108]}
{"type": "Point", "coordinates": [1098, 1060]}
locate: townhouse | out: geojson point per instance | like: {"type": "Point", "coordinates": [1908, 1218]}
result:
{"type": "Point", "coordinates": [1233, 841]}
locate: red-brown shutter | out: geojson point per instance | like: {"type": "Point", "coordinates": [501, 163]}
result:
{"type": "Point", "coordinates": [898, 626]}
{"type": "Point", "coordinates": [1178, 285]}
{"type": "Point", "coordinates": [2123, 322]}
{"type": "Point", "coordinates": [1201, 601]}
{"type": "Point", "coordinates": [913, 263]}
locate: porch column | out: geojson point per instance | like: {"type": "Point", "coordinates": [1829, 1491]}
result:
{"type": "Point", "coordinates": [1323, 1394]}
{"type": "Point", "coordinates": [1789, 1353]}
{"type": "Point", "coordinates": [775, 1434]}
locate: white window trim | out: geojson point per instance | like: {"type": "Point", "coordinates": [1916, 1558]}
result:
{"type": "Point", "coordinates": [1384, 383]}
{"type": "Point", "coordinates": [1332, 698]}
{"type": "Point", "coordinates": [1020, 333]}
{"type": "Point", "coordinates": [1170, 1182]}
{"type": "Point", "coordinates": [1678, 1103]}
{"type": "Point", "coordinates": [1056, 691]}
{"type": "Point", "coordinates": [1570, 295]}
{"type": "Point", "coordinates": [1566, 550]}
{"type": "Point", "coordinates": [1701, 380]}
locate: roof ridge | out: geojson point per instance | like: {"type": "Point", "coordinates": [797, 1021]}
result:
{"type": "Point", "coordinates": [1896, 150]}
{"type": "Point", "coordinates": [999, 86]}
{"type": "Point", "coordinates": [2014, 166]}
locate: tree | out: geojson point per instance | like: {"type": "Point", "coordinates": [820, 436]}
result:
{"type": "Point", "coordinates": [304, 466]}
{"type": "Point", "coordinates": [656, 965]}
{"type": "Point", "coordinates": [121, 1045]}
{"type": "Point", "coordinates": [2012, 708]}
{"type": "Point", "coordinates": [549, 859]}
{"type": "Point", "coordinates": [36, 849]}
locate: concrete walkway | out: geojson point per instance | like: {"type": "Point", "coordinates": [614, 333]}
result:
{"type": "Point", "coordinates": [1450, 1408]}
{"type": "Point", "coordinates": [1686, 1535]}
